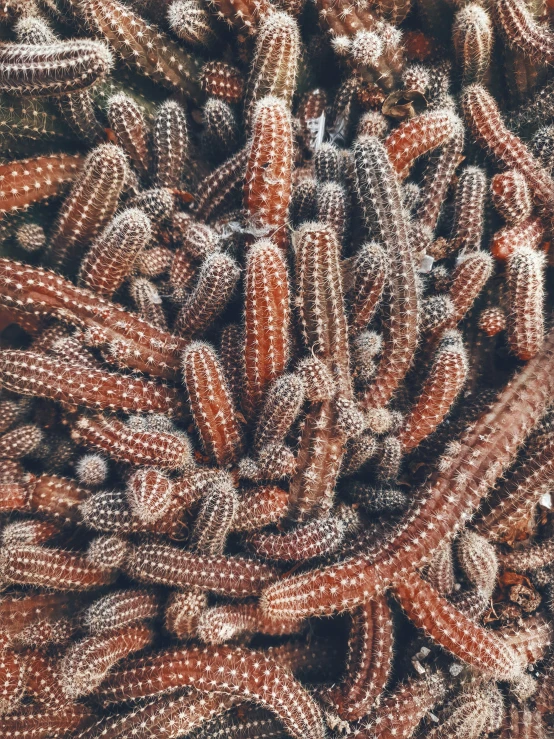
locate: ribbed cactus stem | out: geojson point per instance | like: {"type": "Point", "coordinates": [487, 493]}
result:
{"type": "Point", "coordinates": [275, 62]}
{"type": "Point", "coordinates": [141, 45]}
{"type": "Point", "coordinates": [90, 204]}
{"type": "Point", "coordinates": [52, 69]}
{"type": "Point", "coordinates": [268, 182]}
{"type": "Point", "coordinates": [113, 254]}
{"type": "Point", "coordinates": [380, 194]}
{"type": "Point", "coordinates": [266, 321]}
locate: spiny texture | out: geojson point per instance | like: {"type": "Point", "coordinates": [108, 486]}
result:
{"type": "Point", "coordinates": [127, 121]}
{"type": "Point", "coordinates": [446, 625]}
{"type": "Point", "coordinates": [170, 139]}
{"type": "Point", "coordinates": [141, 45]}
{"type": "Point", "coordinates": [441, 388]}
{"type": "Point", "coordinates": [267, 188]}
{"type": "Point", "coordinates": [511, 196]}
{"type": "Point", "coordinates": [91, 202]}
{"type": "Point", "coordinates": [285, 224]}
{"type": "Point", "coordinates": [221, 80]}
{"type": "Point", "coordinates": [275, 62]}
{"type": "Point", "coordinates": [526, 298]}
{"type": "Point", "coordinates": [522, 31]}
{"type": "Point", "coordinates": [321, 300]}
{"type": "Point", "coordinates": [266, 322]}
{"type": "Point", "coordinates": [484, 453]}
{"type": "Point", "coordinates": [169, 565]}
{"type": "Point", "coordinates": [472, 36]}
{"type": "Point", "coordinates": [211, 403]}
{"type": "Point", "coordinates": [487, 126]}
{"type": "Point", "coordinates": [469, 205]}
{"type": "Point", "coordinates": [379, 192]}
{"type": "Point", "coordinates": [190, 21]}
{"type": "Point", "coordinates": [216, 283]}
{"type": "Point", "coordinates": [113, 255]}
{"type": "Point", "coordinates": [52, 69]}
{"type": "Point", "coordinates": [281, 408]}
{"type": "Point", "coordinates": [240, 673]}
{"type": "Point", "coordinates": [39, 375]}
{"type": "Point", "coordinates": [369, 274]}
{"type": "Point", "coordinates": [28, 181]}
{"type": "Point", "coordinates": [216, 517]}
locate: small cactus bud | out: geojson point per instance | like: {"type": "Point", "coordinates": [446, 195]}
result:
{"type": "Point", "coordinates": [31, 237]}
{"type": "Point", "coordinates": [191, 22]}
{"type": "Point", "coordinates": [91, 470]}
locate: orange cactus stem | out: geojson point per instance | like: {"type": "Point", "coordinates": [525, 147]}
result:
{"type": "Point", "coordinates": [266, 321]}
{"type": "Point", "coordinates": [485, 123]}
{"type": "Point", "coordinates": [44, 293]}
{"type": "Point", "coordinates": [28, 181]}
{"type": "Point", "coordinates": [268, 182]}
{"type": "Point", "coordinates": [513, 501]}
{"type": "Point", "coordinates": [224, 623]}
{"type": "Point", "coordinates": [53, 568]}
{"type": "Point", "coordinates": [165, 564]}
{"type": "Point", "coordinates": [321, 300]}
{"type": "Point", "coordinates": [56, 68]}
{"type": "Point", "coordinates": [525, 273]}
{"type": "Point", "coordinates": [263, 506]}
{"type": "Point", "coordinates": [275, 63]}
{"type": "Point", "coordinates": [113, 255]}
{"type": "Point", "coordinates": [461, 636]}
{"type": "Point", "coordinates": [117, 440]}
{"type": "Point", "coordinates": [315, 539]}
{"type": "Point", "coordinates": [243, 673]}
{"type": "Point", "coordinates": [42, 376]}
{"type": "Point", "coordinates": [418, 136]}
{"type": "Point", "coordinates": [211, 403]}
{"type": "Point", "coordinates": [171, 717]}
{"type": "Point", "coordinates": [506, 240]}
{"type": "Point", "coordinates": [90, 204]}
{"type": "Point", "coordinates": [370, 646]}
{"type": "Point", "coordinates": [443, 385]}
{"type": "Point", "coordinates": [485, 452]}
{"type": "Point", "coordinates": [402, 711]}
{"type": "Point", "coordinates": [523, 32]}
{"type": "Point", "coordinates": [221, 80]}
{"type": "Point", "coordinates": [120, 608]}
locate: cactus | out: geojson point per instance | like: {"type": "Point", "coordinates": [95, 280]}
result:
{"type": "Point", "coordinates": [141, 45]}
{"type": "Point", "coordinates": [275, 62]}
{"type": "Point", "coordinates": [526, 298]}
{"type": "Point", "coordinates": [442, 387]}
{"type": "Point", "coordinates": [267, 186]}
{"type": "Point", "coordinates": [190, 21]}
{"type": "Point", "coordinates": [266, 322]}
{"type": "Point", "coordinates": [90, 204]}
{"type": "Point", "coordinates": [114, 253]}
{"type": "Point", "coordinates": [472, 37]}
{"type": "Point", "coordinates": [211, 404]}
{"type": "Point", "coordinates": [217, 280]}
{"type": "Point", "coordinates": [52, 69]}
{"type": "Point", "coordinates": [511, 196]}
{"type": "Point", "coordinates": [127, 121]}
{"type": "Point", "coordinates": [380, 195]}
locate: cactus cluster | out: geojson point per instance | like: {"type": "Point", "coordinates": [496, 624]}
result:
{"type": "Point", "coordinates": [276, 369]}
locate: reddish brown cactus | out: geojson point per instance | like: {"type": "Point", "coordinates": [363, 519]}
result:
{"type": "Point", "coordinates": [268, 183]}
{"type": "Point", "coordinates": [211, 403]}
{"type": "Point", "coordinates": [266, 321]}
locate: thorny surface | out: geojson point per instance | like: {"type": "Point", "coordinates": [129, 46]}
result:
{"type": "Point", "coordinates": [276, 369]}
